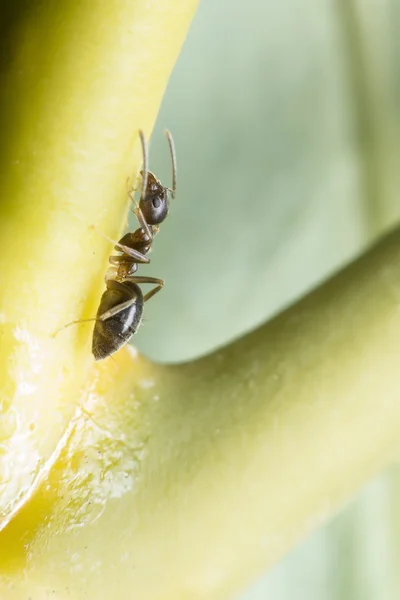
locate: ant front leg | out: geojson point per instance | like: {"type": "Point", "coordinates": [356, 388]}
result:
{"type": "Point", "coordinates": [130, 188]}
{"type": "Point", "coordinates": [159, 284]}
{"type": "Point", "coordinates": [142, 221]}
{"type": "Point", "coordinates": [138, 213]}
{"type": "Point", "coordinates": [134, 254]}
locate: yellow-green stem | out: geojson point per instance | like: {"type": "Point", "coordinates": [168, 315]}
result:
{"type": "Point", "coordinates": [78, 80]}
{"type": "Point", "coordinates": [196, 477]}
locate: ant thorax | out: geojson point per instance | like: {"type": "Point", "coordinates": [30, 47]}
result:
{"type": "Point", "coordinates": [139, 241]}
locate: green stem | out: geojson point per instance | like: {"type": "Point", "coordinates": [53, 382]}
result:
{"type": "Point", "coordinates": [229, 460]}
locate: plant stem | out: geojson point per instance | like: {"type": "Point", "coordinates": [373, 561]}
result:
{"type": "Point", "coordinates": [204, 474]}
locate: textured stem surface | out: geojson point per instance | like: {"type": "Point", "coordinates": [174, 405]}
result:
{"type": "Point", "coordinates": [186, 481]}
{"type": "Point", "coordinates": [78, 79]}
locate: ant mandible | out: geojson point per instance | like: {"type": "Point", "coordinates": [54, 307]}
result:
{"type": "Point", "coordinates": [121, 306]}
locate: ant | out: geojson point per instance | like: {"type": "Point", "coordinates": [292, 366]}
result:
{"type": "Point", "coordinates": [121, 306]}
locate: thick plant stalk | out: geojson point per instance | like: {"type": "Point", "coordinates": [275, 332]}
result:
{"type": "Point", "coordinates": [79, 80]}
{"type": "Point", "coordinates": [133, 480]}
{"type": "Point", "coordinates": [183, 482]}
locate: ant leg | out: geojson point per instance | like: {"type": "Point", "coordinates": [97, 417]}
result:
{"type": "Point", "coordinates": [144, 173]}
{"type": "Point", "coordinates": [130, 188]}
{"type": "Point", "coordinates": [152, 292]}
{"type": "Point", "coordinates": [76, 322]}
{"type": "Point", "coordinates": [138, 256]}
{"type": "Point", "coordinates": [135, 254]}
{"type": "Point", "coordinates": [115, 310]}
{"type": "Point", "coordinates": [103, 317]}
{"type": "Point", "coordinates": [108, 313]}
{"type": "Point", "coordinates": [159, 284]}
{"type": "Point", "coordinates": [140, 216]}
{"type": "Point", "coordinates": [137, 211]}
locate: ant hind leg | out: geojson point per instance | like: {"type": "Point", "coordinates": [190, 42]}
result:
{"type": "Point", "coordinates": [159, 284]}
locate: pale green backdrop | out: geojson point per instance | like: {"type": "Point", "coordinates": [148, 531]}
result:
{"type": "Point", "coordinates": [286, 116]}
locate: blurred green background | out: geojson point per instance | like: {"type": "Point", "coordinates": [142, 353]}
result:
{"type": "Point", "coordinates": [285, 115]}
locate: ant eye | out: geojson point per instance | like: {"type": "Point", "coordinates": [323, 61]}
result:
{"type": "Point", "coordinates": [156, 202]}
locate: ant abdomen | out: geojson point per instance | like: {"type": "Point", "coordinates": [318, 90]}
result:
{"type": "Point", "coordinates": [116, 331]}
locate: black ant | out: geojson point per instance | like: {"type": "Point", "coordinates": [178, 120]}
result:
{"type": "Point", "coordinates": [121, 306]}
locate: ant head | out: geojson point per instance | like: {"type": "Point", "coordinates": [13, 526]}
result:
{"type": "Point", "coordinates": [154, 202]}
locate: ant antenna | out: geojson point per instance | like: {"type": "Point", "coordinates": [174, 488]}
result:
{"type": "Point", "coordinates": [173, 160]}
{"type": "Point", "coordinates": [145, 169]}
